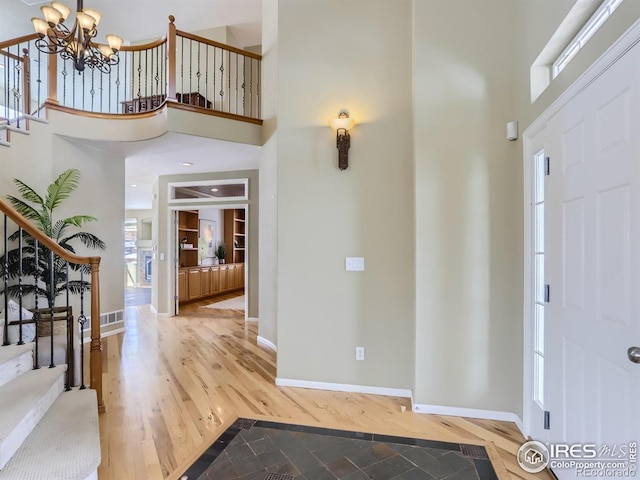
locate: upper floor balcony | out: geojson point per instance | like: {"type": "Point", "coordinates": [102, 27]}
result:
{"type": "Point", "coordinates": [181, 70]}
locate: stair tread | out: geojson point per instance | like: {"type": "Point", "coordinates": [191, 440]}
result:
{"type": "Point", "coordinates": [65, 445]}
{"type": "Point", "coordinates": [21, 394]}
{"type": "Point", "coordinates": [9, 352]}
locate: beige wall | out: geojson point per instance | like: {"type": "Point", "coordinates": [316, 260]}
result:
{"type": "Point", "coordinates": [163, 291]}
{"type": "Point", "coordinates": [39, 158]}
{"type": "Point", "coordinates": [268, 308]}
{"type": "Point", "coordinates": [353, 55]}
{"type": "Point", "coordinates": [468, 268]}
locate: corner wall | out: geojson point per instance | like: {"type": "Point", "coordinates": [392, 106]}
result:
{"type": "Point", "coordinates": [468, 262]}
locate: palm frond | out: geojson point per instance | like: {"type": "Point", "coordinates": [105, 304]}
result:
{"type": "Point", "coordinates": [27, 192]}
{"type": "Point", "coordinates": [78, 220]}
{"type": "Point", "coordinates": [87, 239]}
{"type": "Point", "coordinates": [25, 209]}
{"type": "Point", "coordinates": [63, 186]}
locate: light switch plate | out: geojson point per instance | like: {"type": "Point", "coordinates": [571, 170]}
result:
{"type": "Point", "coordinates": [354, 264]}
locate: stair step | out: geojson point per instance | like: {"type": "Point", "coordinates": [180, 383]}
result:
{"type": "Point", "coordinates": [64, 446]}
{"type": "Point", "coordinates": [23, 402]}
{"type": "Point", "coordinates": [14, 361]}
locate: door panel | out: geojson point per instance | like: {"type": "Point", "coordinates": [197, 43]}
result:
{"type": "Point", "coordinates": [592, 261]}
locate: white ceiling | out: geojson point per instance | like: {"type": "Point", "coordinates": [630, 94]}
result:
{"type": "Point", "coordinates": [146, 160]}
{"type": "Point", "coordinates": [148, 19]}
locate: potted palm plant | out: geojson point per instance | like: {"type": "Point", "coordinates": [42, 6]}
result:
{"type": "Point", "coordinates": [41, 211]}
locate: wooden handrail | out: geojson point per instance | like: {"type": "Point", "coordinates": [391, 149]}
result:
{"type": "Point", "coordinates": [16, 41]}
{"type": "Point", "coordinates": [213, 43]}
{"type": "Point", "coordinates": [146, 46]}
{"type": "Point", "coordinates": [95, 359]}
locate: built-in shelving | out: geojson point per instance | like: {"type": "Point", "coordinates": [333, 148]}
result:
{"type": "Point", "coordinates": [235, 234]}
{"type": "Point", "coordinates": [188, 235]}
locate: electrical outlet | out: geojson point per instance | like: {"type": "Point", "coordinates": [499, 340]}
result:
{"type": "Point", "coordinates": [359, 353]}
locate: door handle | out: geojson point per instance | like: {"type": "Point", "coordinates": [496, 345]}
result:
{"type": "Point", "coordinates": [634, 354]}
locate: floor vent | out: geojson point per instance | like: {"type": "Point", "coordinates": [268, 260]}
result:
{"type": "Point", "coordinates": [243, 424]}
{"type": "Point", "coordinates": [474, 451]}
{"type": "Point", "coordinates": [278, 476]}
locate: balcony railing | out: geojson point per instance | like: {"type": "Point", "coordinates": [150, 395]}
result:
{"type": "Point", "coordinates": [182, 70]}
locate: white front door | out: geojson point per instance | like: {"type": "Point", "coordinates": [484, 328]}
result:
{"type": "Point", "coordinates": [592, 261]}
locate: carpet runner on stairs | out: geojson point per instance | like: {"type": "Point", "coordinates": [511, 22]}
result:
{"type": "Point", "coordinates": [45, 433]}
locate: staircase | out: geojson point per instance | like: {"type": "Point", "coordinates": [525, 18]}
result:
{"type": "Point", "coordinates": [45, 432]}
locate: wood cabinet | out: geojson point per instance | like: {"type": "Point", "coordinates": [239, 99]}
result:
{"type": "Point", "coordinates": [188, 237]}
{"type": "Point", "coordinates": [223, 277]}
{"type": "Point", "coordinates": [182, 285]}
{"type": "Point", "coordinates": [200, 282]}
{"type": "Point", "coordinates": [205, 281]}
{"type": "Point", "coordinates": [194, 283]}
{"type": "Point", "coordinates": [235, 234]}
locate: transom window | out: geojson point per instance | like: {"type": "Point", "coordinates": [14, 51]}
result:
{"type": "Point", "coordinates": [593, 24]}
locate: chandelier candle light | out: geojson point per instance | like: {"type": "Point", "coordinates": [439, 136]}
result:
{"type": "Point", "coordinates": [76, 44]}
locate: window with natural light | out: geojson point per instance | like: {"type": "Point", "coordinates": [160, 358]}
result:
{"type": "Point", "coordinates": [593, 24]}
{"type": "Point", "coordinates": [538, 274]}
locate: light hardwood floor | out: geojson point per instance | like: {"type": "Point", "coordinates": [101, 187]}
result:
{"type": "Point", "coordinates": [172, 385]}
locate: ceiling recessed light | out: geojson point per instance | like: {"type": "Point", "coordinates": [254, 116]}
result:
{"type": "Point", "coordinates": [186, 164]}
{"type": "Point", "coordinates": [214, 189]}
{"type": "Point", "coordinates": [134, 185]}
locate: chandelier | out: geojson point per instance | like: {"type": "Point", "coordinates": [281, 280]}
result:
{"type": "Point", "coordinates": [54, 37]}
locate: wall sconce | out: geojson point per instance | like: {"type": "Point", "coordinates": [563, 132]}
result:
{"type": "Point", "coordinates": [342, 125]}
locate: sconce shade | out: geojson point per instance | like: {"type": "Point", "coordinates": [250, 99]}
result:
{"type": "Point", "coordinates": [345, 123]}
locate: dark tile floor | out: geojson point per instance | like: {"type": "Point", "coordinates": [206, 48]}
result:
{"type": "Point", "coordinates": [251, 450]}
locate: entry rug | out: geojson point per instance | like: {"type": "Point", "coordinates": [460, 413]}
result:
{"type": "Point", "coordinates": [259, 450]}
{"type": "Point", "coordinates": [235, 303]}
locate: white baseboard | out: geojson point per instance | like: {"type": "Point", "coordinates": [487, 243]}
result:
{"type": "Point", "coordinates": [468, 412]}
{"type": "Point", "coordinates": [520, 424]}
{"type": "Point", "coordinates": [344, 387]}
{"type": "Point", "coordinates": [87, 338]}
{"type": "Point", "coordinates": [252, 319]}
{"type": "Point", "coordinates": [263, 342]}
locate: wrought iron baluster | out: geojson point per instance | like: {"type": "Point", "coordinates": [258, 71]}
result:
{"type": "Point", "coordinates": [199, 74]}
{"type": "Point", "coordinates": [139, 70]}
{"type": "Point", "coordinates": [182, 69]}
{"type": "Point", "coordinates": [64, 82]}
{"type": "Point", "coordinates": [213, 74]}
{"type": "Point", "coordinates": [237, 75]}
{"type": "Point", "coordinates": [229, 80]}
{"type": "Point", "coordinates": [39, 81]}
{"type": "Point", "coordinates": [124, 92]}
{"type": "Point", "coordinates": [244, 84]}
{"type": "Point", "coordinates": [102, 90]}
{"type": "Point", "coordinates": [73, 90]}
{"type": "Point", "coordinates": [190, 69]}
{"type": "Point", "coordinates": [222, 80]}
{"type": "Point", "coordinates": [5, 275]}
{"type": "Point", "coordinates": [146, 75]}
{"type": "Point", "coordinates": [20, 287]}
{"type": "Point", "coordinates": [52, 290]}
{"type": "Point", "coordinates": [92, 92]}
{"type": "Point", "coordinates": [69, 333]}
{"type": "Point", "coordinates": [259, 107]}
{"type": "Point", "coordinates": [82, 320]}
{"type": "Point", "coordinates": [17, 68]}
{"type": "Point", "coordinates": [36, 313]}
{"type": "Point", "coordinates": [206, 71]}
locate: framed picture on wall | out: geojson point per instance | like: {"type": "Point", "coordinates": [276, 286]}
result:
{"type": "Point", "coordinates": [208, 233]}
